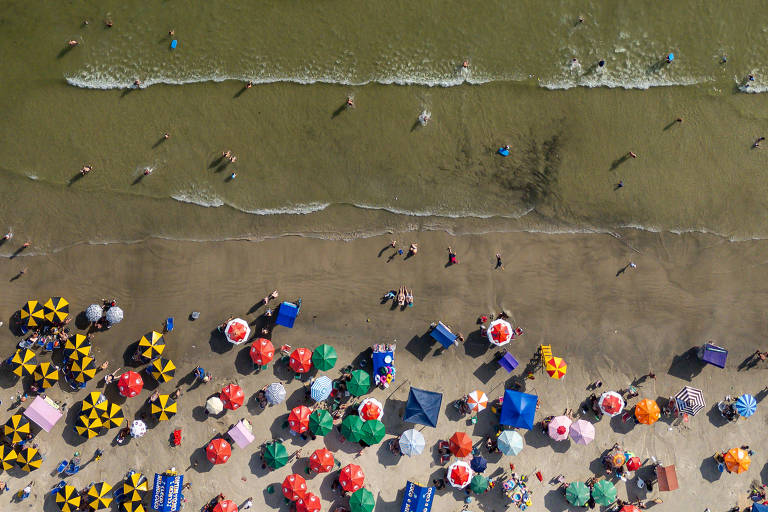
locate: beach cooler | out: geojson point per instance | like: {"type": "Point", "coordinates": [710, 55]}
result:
{"type": "Point", "coordinates": [443, 335]}
{"type": "Point", "coordinates": [286, 314]}
{"type": "Point", "coordinates": [508, 362]}
{"type": "Point", "coordinates": [712, 354]}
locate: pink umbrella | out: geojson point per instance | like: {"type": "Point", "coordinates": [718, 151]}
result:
{"type": "Point", "coordinates": [43, 412]}
{"type": "Point", "coordinates": [242, 433]}
{"type": "Point", "coordinates": [558, 428]}
{"type": "Point", "coordinates": [582, 432]}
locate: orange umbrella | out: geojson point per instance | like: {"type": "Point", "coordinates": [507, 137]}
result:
{"type": "Point", "coordinates": [737, 460]}
{"type": "Point", "coordinates": [647, 412]}
{"type": "Point", "coordinates": [461, 444]}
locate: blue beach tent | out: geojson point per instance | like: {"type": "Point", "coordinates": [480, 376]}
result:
{"type": "Point", "coordinates": [286, 314]}
{"type": "Point", "coordinates": [518, 409]}
{"type": "Point", "coordinates": [417, 498]}
{"type": "Point", "coordinates": [714, 355]}
{"type": "Point", "coordinates": [442, 334]}
{"type": "Point", "coordinates": [423, 407]}
{"type": "Point", "coordinates": [759, 507]}
{"type": "Point", "coordinates": [166, 495]}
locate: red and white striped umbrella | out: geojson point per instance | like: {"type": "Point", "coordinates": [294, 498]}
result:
{"type": "Point", "coordinates": [371, 409]}
{"type": "Point", "coordinates": [500, 332]}
{"type": "Point", "coordinates": [459, 474]}
{"type": "Point", "coordinates": [237, 331]}
{"type": "Point", "coordinates": [477, 400]}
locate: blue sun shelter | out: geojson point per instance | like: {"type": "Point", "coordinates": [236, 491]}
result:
{"type": "Point", "coordinates": [443, 335]}
{"type": "Point", "coordinates": [423, 407]}
{"type": "Point", "coordinates": [287, 313]}
{"type": "Point", "coordinates": [417, 498]}
{"type": "Point", "coordinates": [712, 354]}
{"type": "Point", "coordinates": [518, 409]}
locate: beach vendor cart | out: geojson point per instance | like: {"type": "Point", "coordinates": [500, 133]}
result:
{"type": "Point", "coordinates": [712, 354]}
{"type": "Point", "coordinates": [287, 313]}
{"type": "Point", "coordinates": [384, 370]}
{"type": "Point", "coordinates": [443, 335]}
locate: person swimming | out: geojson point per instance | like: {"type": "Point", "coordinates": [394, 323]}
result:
{"type": "Point", "coordinates": [424, 117]}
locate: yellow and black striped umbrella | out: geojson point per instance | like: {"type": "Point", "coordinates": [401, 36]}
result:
{"type": "Point", "coordinates": [99, 496]}
{"type": "Point", "coordinates": [68, 499]}
{"type": "Point", "coordinates": [56, 309]}
{"type": "Point", "coordinates": [23, 362]}
{"type": "Point", "coordinates": [16, 428]}
{"type": "Point", "coordinates": [8, 456]}
{"type": "Point", "coordinates": [32, 314]}
{"type": "Point", "coordinates": [77, 347]}
{"type": "Point", "coordinates": [135, 487]}
{"type": "Point", "coordinates": [132, 506]}
{"type": "Point", "coordinates": [46, 375]}
{"type": "Point", "coordinates": [94, 400]}
{"type": "Point", "coordinates": [84, 369]}
{"type": "Point", "coordinates": [163, 369]}
{"type": "Point", "coordinates": [113, 416]}
{"type": "Point", "coordinates": [151, 345]}
{"type": "Point", "coordinates": [29, 459]}
{"type": "Point", "coordinates": [164, 408]}
{"type": "Point", "coordinates": [89, 424]}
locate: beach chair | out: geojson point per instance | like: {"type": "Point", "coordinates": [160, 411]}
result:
{"type": "Point", "coordinates": [25, 344]}
{"type": "Point", "coordinates": [545, 352]}
{"type": "Point", "coordinates": [58, 486]}
{"type": "Point", "coordinates": [72, 469]}
{"type": "Point", "coordinates": [169, 324]}
{"type": "Point", "coordinates": [62, 466]}
{"type": "Point", "coordinates": [41, 341]}
{"type": "Point", "coordinates": [49, 346]}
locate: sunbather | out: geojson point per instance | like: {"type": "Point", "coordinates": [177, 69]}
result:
{"type": "Point", "coordinates": [408, 297]}
{"type": "Point", "coordinates": [401, 296]}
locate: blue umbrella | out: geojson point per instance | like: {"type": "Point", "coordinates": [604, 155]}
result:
{"type": "Point", "coordinates": [321, 388]}
{"type": "Point", "coordinates": [510, 442]}
{"type": "Point", "coordinates": [275, 393]}
{"type": "Point", "coordinates": [745, 405]}
{"type": "Point", "coordinates": [478, 464]}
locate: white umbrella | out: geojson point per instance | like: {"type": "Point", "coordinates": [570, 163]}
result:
{"type": "Point", "coordinates": [138, 428]}
{"type": "Point", "coordinates": [275, 393]}
{"type": "Point", "coordinates": [93, 313]}
{"type": "Point", "coordinates": [412, 442]}
{"type": "Point", "coordinates": [459, 474]}
{"type": "Point", "coordinates": [371, 409]}
{"type": "Point", "coordinates": [510, 442]}
{"type": "Point", "coordinates": [214, 405]}
{"type": "Point", "coordinates": [237, 331]}
{"type": "Point", "coordinates": [500, 332]}
{"type": "Point", "coordinates": [114, 315]}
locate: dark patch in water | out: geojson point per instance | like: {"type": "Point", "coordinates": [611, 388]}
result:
{"type": "Point", "coordinates": [534, 173]}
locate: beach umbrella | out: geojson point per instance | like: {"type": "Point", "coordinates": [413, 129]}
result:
{"type": "Point", "coordinates": [321, 388]}
{"type": "Point", "coordinates": [371, 409]}
{"type": "Point", "coordinates": [32, 314]}
{"type": "Point", "coordinates": [373, 432]}
{"type": "Point", "coordinates": [56, 309]}
{"type": "Point", "coordinates": [67, 499]}
{"type": "Point", "coordinates": [559, 427]}
{"type": "Point", "coordinates": [225, 506]}
{"type": "Point", "coordinates": [132, 506]}
{"type": "Point", "coordinates": [218, 451]}
{"type": "Point", "coordinates": [84, 369]}
{"type": "Point", "coordinates": [294, 487]}
{"type": "Point", "coordinates": [113, 416]}
{"type": "Point", "coordinates": [8, 456]}
{"type": "Point", "coordinates": [412, 442]}
{"type": "Point", "coordinates": [298, 419]}
{"type": "Point", "coordinates": [737, 460]}
{"type": "Point", "coordinates": [460, 444]}
{"type": "Point", "coordinates": [151, 346]}
{"type": "Point", "coordinates": [647, 412]}
{"type": "Point", "coordinates": [477, 401]}
{"type": "Point", "coordinates": [309, 503]}
{"type": "Point", "coordinates": [362, 500]}
{"type": "Point", "coordinates": [45, 375]}
{"type": "Point", "coordinates": [135, 487]}
{"type": "Point", "coordinates": [29, 459]}
{"type": "Point", "coordinates": [321, 461]}
{"type": "Point", "coordinates": [359, 384]}
{"type": "Point", "coordinates": [89, 425]}
{"type": "Point", "coordinates": [162, 369]}
{"type": "Point", "coordinates": [214, 405]}
{"type": "Point", "coordinates": [93, 313]}
{"type": "Point", "coordinates": [16, 428]}
{"type": "Point", "coordinates": [611, 403]}
{"type": "Point", "coordinates": [630, 508]}
{"type": "Point", "coordinates": [351, 477]}
{"type": "Point", "coordinates": [320, 422]}
{"type": "Point", "coordinates": [618, 459]}
{"type": "Point", "coordinates": [237, 331]}
{"type": "Point", "coordinates": [23, 362]}
{"type": "Point", "coordinates": [138, 428]}
{"type": "Point", "coordinates": [324, 357]}
{"type": "Point", "coordinates": [510, 442]}
{"type": "Point", "coordinates": [130, 384]}
{"type": "Point", "coordinates": [690, 400]}
{"type": "Point", "coordinates": [478, 484]}
{"type": "Point", "coordinates": [604, 493]}
{"type": "Point", "coordinates": [232, 396]}
{"type": "Point", "coordinates": [352, 428]}
{"type": "Point", "coordinates": [300, 360]}
{"type": "Point", "coordinates": [275, 393]}
{"type": "Point", "coordinates": [114, 315]}
{"type": "Point", "coordinates": [555, 367]}
{"type": "Point", "coordinates": [76, 347]}
{"type": "Point", "coordinates": [98, 496]}
{"type": "Point", "coordinates": [275, 455]}
{"type": "Point", "coordinates": [164, 408]}
{"type": "Point", "coordinates": [745, 405]}
{"type": "Point", "coordinates": [459, 474]}
{"type": "Point", "coordinates": [577, 494]}
{"type": "Point", "coordinates": [582, 432]}
{"type": "Point", "coordinates": [500, 332]}
{"type": "Point", "coordinates": [262, 351]}
{"type": "Point", "coordinates": [633, 463]}
{"type": "Point", "coordinates": [94, 400]}
{"type": "Point", "coordinates": [478, 464]}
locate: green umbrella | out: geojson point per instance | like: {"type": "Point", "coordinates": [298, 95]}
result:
{"type": "Point", "coordinates": [351, 428]}
{"type": "Point", "coordinates": [577, 494]}
{"type": "Point", "coordinates": [479, 484]}
{"type": "Point", "coordinates": [320, 422]}
{"type": "Point", "coordinates": [324, 357]}
{"type": "Point", "coordinates": [604, 493]}
{"type": "Point", "coordinates": [359, 384]}
{"type": "Point", "coordinates": [362, 501]}
{"type": "Point", "coordinates": [275, 455]}
{"type": "Point", "coordinates": [373, 432]}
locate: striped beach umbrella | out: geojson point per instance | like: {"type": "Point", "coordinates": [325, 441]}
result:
{"type": "Point", "coordinates": [76, 347]}
{"type": "Point", "coordinates": [647, 412]}
{"type": "Point", "coordinates": [163, 369]}
{"type": "Point", "coordinates": [45, 375]}
{"type": "Point", "coordinates": [32, 314]}
{"type": "Point", "coordinates": [218, 451]}
{"type": "Point", "coordinates": [324, 357]}
{"type": "Point", "coordinates": [232, 396]}
{"type": "Point", "coordinates": [555, 367]}
{"type": "Point", "coordinates": [604, 493]}
{"type": "Point", "coordinates": [510, 442]}
{"type": "Point", "coordinates": [371, 409]}
{"type": "Point", "coordinates": [23, 362]}
{"type": "Point", "coordinates": [132, 506]}
{"type": "Point", "coordinates": [99, 496]}
{"type": "Point", "coordinates": [321, 461]}
{"type": "Point", "coordinates": [611, 403]}
{"type": "Point", "coordinates": [351, 477]}
{"type": "Point", "coordinates": [298, 419]}
{"type": "Point", "coordinates": [300, 360]}
{"type": "Point", "coordinates": [359, 384]}
{"type": "Point", "coordinates": [8, 456]}
{"type": "Point", "coordinates": [351, 428]}
{"type": "Point", "coordinates": [151, 346]}
{"type": "Point", "coordinates": [67, 499]}
{"type": "Point", "coordinates": [412, 442]}
{"type": "Point", "coordinates": [16, 428]}
{"type": "Point", "coordinates": [130, 384]}
{"type": "Point", "coordinates": [577, 494]}
{"type": "Point", "coordinates": [362, 500]}
{"type": "Point", "coordinates": [320, 422]}
{"type": "Point", "coordinates": [275, 455]}
{"type": "Point", "coordinates": [29, 459]}
{"type": "Point", "coordinates": [135, 487]}
{"type": "Point", "coordinates": [84, 369]}
{"type": "Point", "coordinates": [275, 393]}
{"type": "Point", "coordinates": [113, 416]}
{"type": "Point", "coordinates": [94, 400]}
{"type": "Point", "coordinates": [459, 474]}
{"type": "Point", "coordinates": [56, 309]}
{"type": "Point", "coordinates": [737, 460]}
{"type": "Point", "coordinates": [164, 408]}
{"type": "Point", "coordinates": [309, 503]}
{"type": "Point", "coordinates": [477, 401]}
{"type": "Point", "coordinates": [294, 487]}
{"type": "Point", "coordinates": [745, 405]}
{"type": "Point", "coordinates": [321, 388]}
{"type": "Point", "coordinates": [262, 351]}
{"type": "Point", "coordinates": [373, 432]}
{"type": "Point", "coordinates": [690, 400]}
{"type": "Point", "coordinates": [89, 424]}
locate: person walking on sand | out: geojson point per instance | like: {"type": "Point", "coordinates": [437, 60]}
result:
{"type": "Point", "coordinates": [413, 249]}
{"type": "Point", "coordinates": [632, 154]}
{"type": "Point", "coordinates": [452, 260]}
{"type": "Point", "coordinates": [619, 185]}
{"type": "Point", "coordinates": [499, 264]}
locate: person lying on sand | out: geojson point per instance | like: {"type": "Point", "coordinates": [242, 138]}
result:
{"type": "Point", "coordinates": [409, 297]}
{"type": "Point", "coordinates": [413, 249]}
{"type": "Point", "coordinates": [401, 296]}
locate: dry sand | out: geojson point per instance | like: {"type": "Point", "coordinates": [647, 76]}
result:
{"type": "Point", "coordinates": [562, 289]}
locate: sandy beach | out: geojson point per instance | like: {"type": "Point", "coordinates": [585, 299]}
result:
{"type": "Point", "coordinates": [561, 289]}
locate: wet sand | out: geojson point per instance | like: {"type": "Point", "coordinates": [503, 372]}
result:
{"type": "Point", "coordinates": [562, 289]}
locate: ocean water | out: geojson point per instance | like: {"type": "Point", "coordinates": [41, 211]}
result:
{"type": "Point", "coordinates": [306, 165]}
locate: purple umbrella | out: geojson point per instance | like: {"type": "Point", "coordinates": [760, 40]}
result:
{"type": "Point", "coordinates": [582, 432]}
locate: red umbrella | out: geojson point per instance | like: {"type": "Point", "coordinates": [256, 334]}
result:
{"type": "Point", "coordinates": [294, 487]}
{"type": "Point", "coordinates": [461, 444]}
{"type": "Point", "coordinates": [232, 395]}
{"type": "Point", "coordinates": [351, 477]}
{"type": "Point", "coordinates": [633, 464]}
{"type": "Point", "coordinates": [218, 451]}
{"type": "Point", "coordinates": [309, 503]}
{"type": "Point", "coordinates": [262, 351]}
{"type": "Point", "coordinates": [629, 508]}
{"type": "Point", "coordinates": [301, 360]}
{"type": "Point", "coordinates": [130, 384]}
{"type": "Point", "coordinates": [225, 506]}
{"type": "Point", "coordinates": [299, 419]}
{"type": "Point", "coordinates": [321, 461]}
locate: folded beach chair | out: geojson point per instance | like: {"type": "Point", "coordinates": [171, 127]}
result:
{"type": "Point", "coordinates": [169, 324]}
{"type": "Point", "coordinates": [62, 466]}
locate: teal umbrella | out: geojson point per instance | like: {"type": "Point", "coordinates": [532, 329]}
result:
{"type": "Point", "coordinates": [577, 494]}
{"type": "Point", "coordinates": [373, 432]}
{"type": "Point", "coordinates": [275, 455]}
{"type": "Point", "coordinates": [604, 493]}
{"type": "Point", "coordinates": [324, 357]}
{"type": "Point", "coordinates": [359, 384]}
{"type": "Point", "coordinates": [362, 501]}
{"type": "Point", "coordinates": [320, 422]}
{"type": "Point", "coordinates": [479, 484]}
{"type": "Point", "coordinates": [351, 428]}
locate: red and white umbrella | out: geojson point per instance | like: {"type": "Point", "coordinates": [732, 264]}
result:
{"type": "Point", "coordinates": [225, 506]}
{"type": "Point", "coordinates": [218, 451]}
{"type": "Point", "coordinates": [298, 419]}
{"type": "Point", "coordinates": [371, 409]}
{"type": "Point", "coordinates": [301, 360]}
{"type": "Point", "coordinates": [130, 384]}
{"type": "Point", "coordinates": [237, 331]}
{"type": "Point", "coordinates": [559, 428]}
{"type": "Point", "coordinates": [309, 503]}
{"type": "Point", "coordinates": [321, 461]}
{"type": "Point", "coordinates": [500, 332]}
{"type": "Point", "coordinates": [294, 487]}
{"type": "Point", "coordinates": [611, 403]}
{"type": "Point", "coordinates": [232, 396]}
{"type": "Point", "coordinates": [477, 400]}
{"type": "Point", "coordinates": [351, 477]}
{"type": "Point", "coordinates": [262, 351]}
{"type": "Point", "coordinates": [459, 474]}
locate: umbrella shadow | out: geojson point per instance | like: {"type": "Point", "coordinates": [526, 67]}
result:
{"type": "Point", "coordinates": [69, 435]}
{"type": "Point", "coordinates": [64, 51]}
{"type": "Point", "coordinates": [282, 370]}
{"type": "Point", "coordinates": [555, 500]}
{"type": "Point", "coordinates": [243, 362]}
{"type": "Point", "coordinates": [274, 499]}
{"type": "Point", "coordinates": [715, 417]}
{"type": "Point", "coordinates": [475, 345]}
{"type": "Point", "coordinates": [199, 462]}
{"type": "Point", "coordinates": [687, 365]}
{"type": "Point", "coordinates": [279, 428]}
{"type": "Point", "coordinates": [620, 426]}
{"type": "Point", "coordinates": [536, 438]}
{"type": "Point", "coordinates": [298, 397]}
{"type": "Point", "coordinates": [385, 455]}
{"type": "Point", "coordinates": [128, 353]}
{"type": "Point", "coordinates": [420, 346]}
{"type": "Point", "coordinates": [486, 371]}
{"type": "Point", "coordinates": [561, 446]}
{"type": "Point", "coordinates": [219, 343]}
{"type": "Point", "coordinates": [709, 470]}
{"type": "Point", "coordinates": [596, 465]}
{"type": "Point", "coordinates": [199, 413]}
{"type": "Point", "coordinates": [257, 465]}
